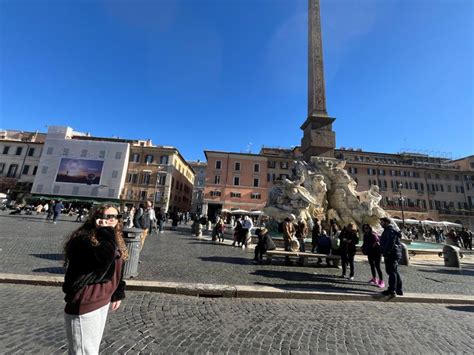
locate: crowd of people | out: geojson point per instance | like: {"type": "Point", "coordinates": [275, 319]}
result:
{"type": "Point", "coordinates": [462, 237]}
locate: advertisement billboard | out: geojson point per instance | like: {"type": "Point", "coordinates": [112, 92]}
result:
{"type": "Point", "coordinates": [80, 171]}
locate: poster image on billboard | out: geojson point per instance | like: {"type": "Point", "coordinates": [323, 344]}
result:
{"type": "Point", "coordinates": [80, 171]}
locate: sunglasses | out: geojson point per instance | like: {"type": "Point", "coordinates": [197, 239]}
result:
{"type": "Point", "coordinates": [109, 216]}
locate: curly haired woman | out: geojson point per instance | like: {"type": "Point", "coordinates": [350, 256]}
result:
{"type": "Point", "coordinates": [94, 255]}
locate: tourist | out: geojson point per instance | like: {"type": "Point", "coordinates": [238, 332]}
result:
{"type": "Point", "coordinates": [469, 239]}
{"type": "Point", "coordinates": [247, 226]}
{"type": "Point", "coordinates": [131, 216]}
{"type": "Point", "coordinates": [161, 220]}
{"type": "Point", "coordinates": [237, 232]}
{"type": "Point", "coordinates": [315, 234]}
{"type": "Point", "coordinates": [94, 254]}
{"type": "Point", "coordinates": [57, 209]}
{"type": "Point", "coordinates": [288, 235]}
{"type": "Point", "coordinates": [39, 208]}
{"type": "Point", "coordinates": [334, 233]}
{"type": "Point", "coordinates": [392, 253]}
{"type": "Point", "coordinates": [371, 248]}
{"type": "Point", "coordinates": [265, 242]}
{"type": "Point", "coordinates": [301, 232]}
{"type": "Point", "coordinates": [149, 218]}
{"type": "Point", "coordinates": [218, 231]}
{"type": "Point", "coordinates": [137, 218]}
{"type": "Point", "coordinates": [465, 237]}
{"type": "Point", "coordinates": [324, 246]}
{"type": "Point", "coordinates": [349, 239]}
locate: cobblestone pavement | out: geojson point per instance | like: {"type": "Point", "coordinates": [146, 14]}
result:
{"type": "Point", "coordinates": [32, 322]}
{"type": "Point", "coordinates": [29, 245]}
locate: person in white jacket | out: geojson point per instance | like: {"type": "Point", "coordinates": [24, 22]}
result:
{"type": "Point", "coordinates": [247, 225]}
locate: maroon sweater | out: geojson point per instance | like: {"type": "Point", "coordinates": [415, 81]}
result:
{"type": "Point", "coordinates": [94, 274]}
{"type": "Point", "coordinates": [95, 296]}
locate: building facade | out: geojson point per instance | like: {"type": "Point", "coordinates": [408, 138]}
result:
{"type": "Point", "coordinates": [75, 165]}
{"type": "Point", "coordinates": [197, 200]}
{"type": "Point", "coordinates": [159, 174]}
{"type": "Point", "coordinates": [424, 187]}
{"type": "Point", "coordinates": [20, 154]}
{"type": "Point", "coordinates": [235, 181]}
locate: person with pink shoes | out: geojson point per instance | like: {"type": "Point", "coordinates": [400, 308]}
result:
{"type": "Point", "coordinates": [371, 248]}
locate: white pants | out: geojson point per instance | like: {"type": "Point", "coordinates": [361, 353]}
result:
{"type": "Point", "coordinates": [84, 332]}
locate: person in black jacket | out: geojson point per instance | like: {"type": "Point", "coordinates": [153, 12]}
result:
{"type": "Point", "coordinates": [371, 248]}
{"type": "Point", "coordinates": [392, 253]}
{"type": "Point", "coordinates": [265, 242]}
{"type": "Point", "coordinates": [348, 241]}
{"type": "Point", "coordinates": [94, 255]}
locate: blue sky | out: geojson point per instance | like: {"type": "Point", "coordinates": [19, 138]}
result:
{"type": "Point", "coordinates": [232, 74]}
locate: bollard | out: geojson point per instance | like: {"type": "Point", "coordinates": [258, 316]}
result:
{"type": "Point", "coordinates": [405, 260]}
{"type": "Point", "coordinates": [451, 256]}
{"type": "Point", "coordinates": [132, 238]}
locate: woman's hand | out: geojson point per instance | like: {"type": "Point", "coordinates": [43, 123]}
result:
{"type": "Point", "coordinates": [116, 305]}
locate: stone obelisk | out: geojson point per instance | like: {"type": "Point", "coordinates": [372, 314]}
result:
{"type": "Point", "coordinates": [318, 137]}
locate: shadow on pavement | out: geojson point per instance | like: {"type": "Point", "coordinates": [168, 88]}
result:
{"type": "Point", "coordinates": [227, 259]}
{"type": "Point", "coordinates": [49, 256]}
{"type": "Point", "coordinates": [317, 287]}
{"type": "Point", "coordinates": [462, 308]}
{"type": "Point", "coordinates": [303, 276]}
{"type": "Point", "coordinates": [51, 270]}
{"type": "Point", "coordinates": [463, 272]}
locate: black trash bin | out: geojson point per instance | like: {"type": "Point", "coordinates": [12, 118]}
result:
{"type": "Point", "coordinates": [133, 239]}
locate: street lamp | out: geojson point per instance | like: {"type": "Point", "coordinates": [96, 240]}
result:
{"type": "Point", "coordinates": [400, 187]}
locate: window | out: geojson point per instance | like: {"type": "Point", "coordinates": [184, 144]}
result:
{"type": "Point", "coordinates": [255, 196]}
{"type": "Point", "coordinates": [149, 159]}
{"type": "Point", "coordinates": [161, 179]}
{"type": "Point", "coordinates": [217, 179]}
{"type": "Point", "coordinates": [44, 170]}
{"type": "Point", "coordinates": [215, 193]}
{"type": "Point", "coordinates": [135, 158]}
{"type": "Point", "coordinates": [12, 170]}
{"type": "Point", "coordinates": [102, 154]}
{"type": "Point", "coordinates": [84, 153]}
{"type": "Point", "coordinates": [66, 152]}
{"type": "Point", "coordinates": [218, 164]}
{"type": "Point", "coordinates": [256, 182]}
{"type": "Point", "coordinates": [164, 159]}
{"type": "Point", "coordinates": [18, 150]}
{"type": "Point", "coordinates": [236, 166]}
{"type": "Point", "coordinates": [31, 152]}
{"type": "Point", "coordinates": [352, 170]}
{"type": "Point", "coordinates": [448, 187]}
{"type": "Point", "coordinates": [114, 174]}
{"type": "Point", "coordinates": [2, 167]}
{"type": "Point", "coordinates": [235, 195]}
{"type": "Point", "coordinates": [118, 155]}
{"type": "Point", "coordinates": [370, 171]}
{"type": "Point", "coordinates": [456, 177]}
{"type": "Point", "coordinates": [256, 168]}
{"type": "Point", "coordinates": [283, 165]}
{"type": "Point", "coordinates": [142, 195]}
{"type": "Point", "coordinates": [26, 168]}
{"type": "Point", "coordinates": [6, 149]}
{"type": "Point", "coordinates": [236, 180]}
{"type": "Point", "coordinates": [271, 164]}
{"type": "Point", "coordinates": [49, 151]}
